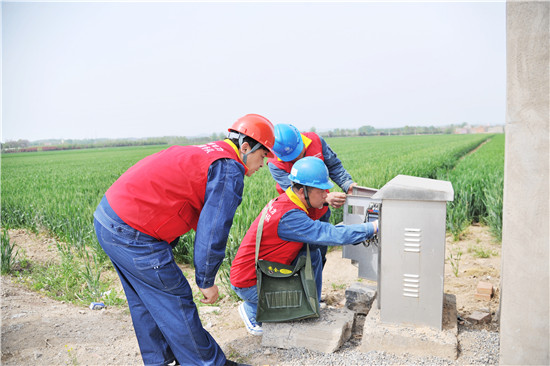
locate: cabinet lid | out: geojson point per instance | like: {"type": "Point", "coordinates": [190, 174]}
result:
{"type": "Point", "coordinates": [406, 187]}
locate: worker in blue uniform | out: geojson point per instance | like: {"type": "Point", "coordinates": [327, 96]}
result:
{"type": "Point", "coordinates": [291, 146]}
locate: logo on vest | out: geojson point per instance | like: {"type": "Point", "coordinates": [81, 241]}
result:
{"type": "Point", "coordinates": [212, 146]}
{"type": "Point", "coordinates": [270, 213]}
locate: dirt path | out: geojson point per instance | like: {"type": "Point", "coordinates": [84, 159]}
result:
{"type": "Point", "coordinates": [41, 331]}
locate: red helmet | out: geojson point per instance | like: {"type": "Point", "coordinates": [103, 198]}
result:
{"type": "Point", "coordinates": [257, 127]}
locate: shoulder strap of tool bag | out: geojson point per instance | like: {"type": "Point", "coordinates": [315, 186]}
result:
{"type": "Point", "coordinates": [260, 229]}
{"type": "Point", "coordinates": [259, 232]}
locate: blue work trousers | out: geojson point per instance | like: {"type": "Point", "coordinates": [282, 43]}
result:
{"type": "Point", "coordinates": [165, 318]}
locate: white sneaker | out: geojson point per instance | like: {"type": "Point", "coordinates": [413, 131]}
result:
{"type": "Point", "coordinates": [252, 328]}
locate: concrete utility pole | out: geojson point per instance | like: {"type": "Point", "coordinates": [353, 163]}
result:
{"type": "Point", "coordinates": [524, 329]}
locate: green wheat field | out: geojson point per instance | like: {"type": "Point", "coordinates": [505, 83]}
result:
{"type": "Point", "coordinates": [57, 192]}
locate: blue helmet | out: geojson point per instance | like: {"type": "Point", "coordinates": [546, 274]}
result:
{"type": "Point", "coordinates": [288, 142]}
{"type": "Point", "coordinates": [312, 172]}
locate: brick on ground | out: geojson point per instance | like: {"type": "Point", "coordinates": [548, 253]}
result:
{"type": "Point", "coordinates": [479, 317]}
{"type": "Point", "coordinates": [485, 297]}
{"type": "Point", "coordinates": [484, 287]}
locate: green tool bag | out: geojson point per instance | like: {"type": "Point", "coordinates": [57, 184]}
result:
{"type": "Point", "coordinates": [285, 292]}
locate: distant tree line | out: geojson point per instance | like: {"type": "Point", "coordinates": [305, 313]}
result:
{"type": "Point", "coordinates": [68, 144]}
{"type": "Point", "coordinates": [372, 131]}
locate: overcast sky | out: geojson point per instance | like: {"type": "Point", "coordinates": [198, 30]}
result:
{"type": "Point", "coordinates": [79, 70]}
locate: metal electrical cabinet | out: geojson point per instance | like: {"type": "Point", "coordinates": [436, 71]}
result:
{"type": "Point", "coordinates": [410, 250]}
{"type": "Point", "coordinates": [356, 211]}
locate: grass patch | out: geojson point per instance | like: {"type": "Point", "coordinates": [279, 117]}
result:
{"type": "Point", "coordinates": [9, 253]}
{"type": "Point", "coordinates": [454, 260]}
{"type": "Point", "coordinates": [76, 279]}
{"type": "Point", "coordinates": [66, 282]}
{"type": "Point", "coordinates": [480, 252]}
{"type": "Point", "coordinates": [339, 286]}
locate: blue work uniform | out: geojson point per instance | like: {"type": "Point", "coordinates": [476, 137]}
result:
{"type": "Point", "coordinates": [164, 315]}
{"type": "Point", "coordinates": [337, 173]}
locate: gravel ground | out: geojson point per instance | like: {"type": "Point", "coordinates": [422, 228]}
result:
{"type": "Point", "coordinates": [476, 347]}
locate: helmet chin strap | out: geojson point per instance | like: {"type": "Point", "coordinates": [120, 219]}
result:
{"type": "Point", "coordinates": [241, 141]}
{"type": "Point", "coordinates": [307, 197]}
{"type": "Point", "coordinates": [245, 155]}
{"type": "Point", "coordinates": [305, 194]}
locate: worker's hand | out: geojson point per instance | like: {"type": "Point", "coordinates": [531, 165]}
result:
{"type": "Point", "coordinates": [210, 294]}
{"type": "Point", "coordinates": [375, 224]}
{"type": "Point", "coordinates": [350, 189]}
{"type": "Point", "coordinates": [336, 199]}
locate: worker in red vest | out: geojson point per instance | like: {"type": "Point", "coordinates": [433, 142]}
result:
{"type": "Point", "coordinates": [291, 146]}
{"type": "Point", "coordinates": [148, 208]}
{"type": "Point", "coordinates": [286, 228]}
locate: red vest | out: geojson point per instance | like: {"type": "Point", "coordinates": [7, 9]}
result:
{"type": "Point", "coordinates": [272, 248]}
{"type": "Point", "coordinates": [315, 148]}
{"type": "Point", "coordinates": [162, 195]}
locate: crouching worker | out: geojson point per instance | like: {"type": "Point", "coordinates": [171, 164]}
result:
{"type": "Point", "coordinates": [149, 207]}
{"type": "Point", "coordinates": [287, 227]}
